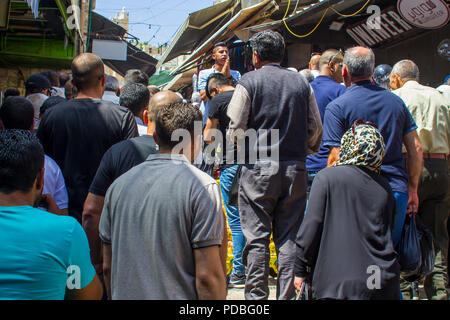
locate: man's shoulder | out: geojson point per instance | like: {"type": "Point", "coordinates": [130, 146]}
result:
{"type": "Point", "coordinates": [49, 221]}
{"type": "Point", "coordinates": [133, 144]}
{"type": "Point", "coordinates": [204, 73]}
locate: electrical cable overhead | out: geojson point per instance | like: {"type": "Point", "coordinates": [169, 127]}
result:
{"type": "Point", "coordinates": [321, 19]}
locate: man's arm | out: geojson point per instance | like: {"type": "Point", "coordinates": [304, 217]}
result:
{"type": "Point", "coordinates": [209, 277]}
{"type": "Point", "coordinates": [238, 111]}
{"type": "Point", "coordinates": [203, 95]}
{"type": "Point", "coordinates": [224, 246]}
{"type": "Point", "coordinates": [334, 156]}
{"type": "Point", "coordinates": [92, 212]}
{"type": "Point", "coordinates": [93, 291]}
{"type": "Point", "coordinates": [107, 254]}
{"type": "Point", "coordinates": [211, 125]}
{"type": "Point", "coordinates": [129, 126]}
{"type": "Point", "coordinates": [414, 163]}
{"type": "Point", "coordinates": [315, 129]}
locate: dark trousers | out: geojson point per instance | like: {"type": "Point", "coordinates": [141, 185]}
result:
{"type": "Point", "coordinates": [434, 212]}
{"type": "Point", "coordinates": [272, 198]}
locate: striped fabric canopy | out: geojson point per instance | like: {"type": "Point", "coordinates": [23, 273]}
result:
{"type": "Point", "coordinates": [34, 5]}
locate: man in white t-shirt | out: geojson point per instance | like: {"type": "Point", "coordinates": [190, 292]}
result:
{"type": "Point", "coordinates": [445, 88]}
{"type": "Point", "coordinates": [18, 113]}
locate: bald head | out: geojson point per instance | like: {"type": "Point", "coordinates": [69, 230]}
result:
{"type": "Point", "coordinates": [314, 62]}
{"type": "Point", "coordinates": [328, 55]}
{"type": "Point", "coordinates": [406, 70]}
{"type": "Point", "coordinates": [87, 71]}
{"type": "Point", "coordinates": [161, 99]}
{"type": "Point", "coordinates": [360, 62]}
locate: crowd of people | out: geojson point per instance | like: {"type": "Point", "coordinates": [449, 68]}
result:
{"type": "Point", "coordinates": [106, 191]}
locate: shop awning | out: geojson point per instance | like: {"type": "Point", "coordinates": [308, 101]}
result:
{"type": "Point", "coordinates": [103, 28]}
{"type": "Point", "coordinates": [243, 18]}
{"type": "Point", "coordinates": [181, 80]}
{"type": "Point", "coordinates": [197, 27]}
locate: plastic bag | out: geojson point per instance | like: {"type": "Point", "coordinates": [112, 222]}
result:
{"type": "Point", "coordinates": [427, 253]}
{"type": "Point", "coordinates": [408, 248]}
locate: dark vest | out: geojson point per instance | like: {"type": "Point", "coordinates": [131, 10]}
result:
{"type": "Point", "coordinates": [279, 100]}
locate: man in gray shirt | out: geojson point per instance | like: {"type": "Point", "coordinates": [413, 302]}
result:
{"type": "Point", "coordinates": [162, 224]}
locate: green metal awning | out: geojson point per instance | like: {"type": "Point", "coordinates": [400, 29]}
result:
{"type": "Point", "coordinates": [161, 79]}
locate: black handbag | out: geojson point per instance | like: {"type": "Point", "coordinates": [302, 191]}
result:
{"type": "Point", "coordinates": [234, 189]}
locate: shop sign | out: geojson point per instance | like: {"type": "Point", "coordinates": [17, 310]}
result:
{"type": "Point", "coordinates": [390, 26]}
{"type": "Point", "coordinates": [427, 14]}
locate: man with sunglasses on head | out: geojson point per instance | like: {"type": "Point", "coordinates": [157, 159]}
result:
{"type": "Point", "coordinates": [366, 101]}
{"type": "Point", "coordinates": [327, 87]}
{"type": "Point", "coordinates": [221, 58]}
{"type": "Point", "coordinates": [78, 132]}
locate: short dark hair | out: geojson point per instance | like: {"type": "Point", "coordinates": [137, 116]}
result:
{"type": "Point", "coordinates": [52, 76]}
{"type": "Point", "coordinates": [173, 117]}
{"type": "Point", "coordinates": [219, 44]}
{"type": "Point", "coordinates": [136, 76]}
{"type": "Point", "coordinates": [17, 113]}
{"type": "Point", "coordinates": [63, 78]}
{"type": "Point", "coordinates": [10, 92]}
{"type": "Point", "coordinates": [21, 159]}
{"type": "Point", "coordinates": [135, 97]}
{"type": "Point", "coordinates": [216, 80]}
{"type": "Point", "coordinates": [269, 44]}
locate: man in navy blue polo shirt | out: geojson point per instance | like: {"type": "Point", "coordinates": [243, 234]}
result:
{"type": "Point", "coordinates": [327, 87]}
{"type": "Point", "coordinates": [368, 102]}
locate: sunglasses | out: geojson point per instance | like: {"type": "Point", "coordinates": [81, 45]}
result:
{"type": "Point", "coordinates": [340, 52]}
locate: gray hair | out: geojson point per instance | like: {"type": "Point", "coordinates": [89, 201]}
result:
{"type": "Point", "coordinates": [360, 62]}
{"type": "Point", "coordinates": [406, 69]}
{"type": "Point", "coordinates": [112, 84]}
{"type": "Point", "coordinates": [307, 74]}
{"type": "Point", "coordinates": [196, 98]}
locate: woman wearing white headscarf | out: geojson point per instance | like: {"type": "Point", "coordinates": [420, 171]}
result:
{"type": "Point", "coordinates": [344, 246]}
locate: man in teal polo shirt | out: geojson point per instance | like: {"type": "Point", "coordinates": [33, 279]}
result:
{"type": "Point", "coordinates": [43, 256]}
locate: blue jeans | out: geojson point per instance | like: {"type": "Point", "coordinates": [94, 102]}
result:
{"type": "Point", "coordinates": [311, 176]}
{"type": "Point", "coordinates": [401, 203]}
{"type": "Point", "coordinates": [234, 221]}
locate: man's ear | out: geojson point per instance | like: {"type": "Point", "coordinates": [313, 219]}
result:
{"type": "Point", "coordinates": [346, 76]}
{"type": "Point", "coordinates": [104, 82]}
{"type": "Point", "coordinates": [40, 180]}
{"type": "Point", "coordinates": [155, 137]}
{"type": "Point", "coordinates": [145, 116]}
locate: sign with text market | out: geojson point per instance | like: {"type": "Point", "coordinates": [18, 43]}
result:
{"type": "Point", "coordinates": [394, 25]}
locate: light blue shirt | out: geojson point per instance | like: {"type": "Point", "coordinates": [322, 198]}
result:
{"type": "Point", "coordinates": [41, 254]}
{"type": "Point", "coordinates": [203, 79]}
{"type": "Point", "coordinates": [54, 183]}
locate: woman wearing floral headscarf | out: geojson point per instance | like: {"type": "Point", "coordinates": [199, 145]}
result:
{"type": "Point", "coordinates": [344, 246]}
